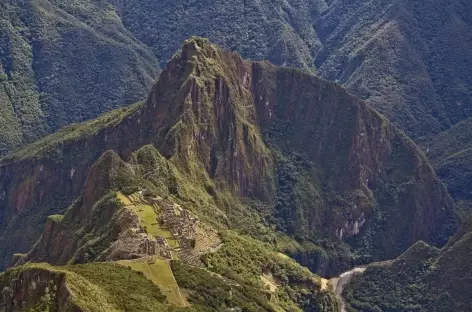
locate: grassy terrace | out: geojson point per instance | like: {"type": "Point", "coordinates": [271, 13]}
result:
{"type": "Point", "coordinates": [156, 270]}
{"type": "Point", "coordinates": [160, 273]}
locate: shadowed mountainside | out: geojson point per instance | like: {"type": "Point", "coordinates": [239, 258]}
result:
{"type": "Point", "coordinates": [450, 153]}
{"type": "Point", "coordinates": [63, 62]}
{"type": "Point", "coordinates": [315, 162]}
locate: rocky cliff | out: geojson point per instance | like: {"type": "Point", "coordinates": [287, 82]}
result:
{"type": "Point", "coordinates": [322, 163]}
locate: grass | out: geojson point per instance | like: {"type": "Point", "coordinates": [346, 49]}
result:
{"type": "Point", "coordinates": [94, 287]}
{"type": "Point", "coordinates": [161, 275]}
{"type": "Point", "coordinates": [124, 199]}
{"type": "Point", "coordinates": [72, 133]}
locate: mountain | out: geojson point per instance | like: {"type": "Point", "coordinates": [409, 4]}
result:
{"type": "Point", "coordinates": [407, 59]}
{"type": "Point", "coordinates": [424, 278]}
{"type": "Point", "coordinates": [63, 62]}
{"type": "Point", "coordinates": [450, 155]}
{"type": "Point", "coordinates": [273, 153]}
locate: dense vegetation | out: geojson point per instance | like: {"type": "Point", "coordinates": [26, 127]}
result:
{"type": "Point", "coordinates": [248, 263]}
{"type": "Point", "coordinates": [424, 278]}
{"type": "Point", "coordinates": [450, 153]}
{"type": "Point", "coordinates": [63, 62]}
{"type": "Point", "coordinates": [68, 61]}
{"type": "Point", "coordinates": [90, 287]}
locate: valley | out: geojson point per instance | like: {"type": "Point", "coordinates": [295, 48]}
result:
{"type": "Point", "coordinates": [235, 183]}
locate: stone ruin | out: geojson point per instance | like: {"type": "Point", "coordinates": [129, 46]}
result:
{"type": "Point", "coordinates": [137, 243]}
{"type": "Point", "coordinates": [164, 250]}
{"type": "Point", "coordinates": [180, 223]}
{"type": "Point", "coordinates": [133, 243]}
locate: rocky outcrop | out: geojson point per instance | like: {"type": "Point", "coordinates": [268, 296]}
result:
{"type": "Point", "coordinates": [326, 164]}
{"type": "Point", "coordinates": [47, 176]}
{"type": "Point", "coordinates": [92, 222]}
{"type": "Point", "coordinates": [36, 288]}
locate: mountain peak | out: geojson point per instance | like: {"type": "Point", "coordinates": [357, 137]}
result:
{"type": "Point", "coordinates": [196, 50]}
{"type": "Point", "coordinates": [316, 157]}
{"type": "Point", "coordinates": [198, 43]}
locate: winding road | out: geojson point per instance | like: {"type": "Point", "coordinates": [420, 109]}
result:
{"type": "Point", "coordinates": [340, 282]}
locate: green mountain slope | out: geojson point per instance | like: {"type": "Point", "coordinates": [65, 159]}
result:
{"type": "Point", "coordinates": [229, 141]}
{"type": "Point", "coordinates": [91, 287]}
{"type": "Point", "coordinates": [216, 272]}
{"type": "Point", "coordinates": [422, 279]}
{"type": "Point", "coordinates": [450, 154]}
{"type": "Point", "coordinates": [409, 59]}
{"type": "Point", "coordinates": [279, 31]}
{"type": "Point", "coordinates": [63, 62]}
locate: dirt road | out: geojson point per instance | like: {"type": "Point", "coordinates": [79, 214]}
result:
{"type": "Point", "coordinates": [340, 282]}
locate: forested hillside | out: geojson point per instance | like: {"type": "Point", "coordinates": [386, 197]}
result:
{"type": "Point", "coordinates": [67, 61]}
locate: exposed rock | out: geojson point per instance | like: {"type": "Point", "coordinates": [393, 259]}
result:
{"type": "Point", "coordinates": [43, 287]}
{"type": "Point", "coordinates": [229, 123]}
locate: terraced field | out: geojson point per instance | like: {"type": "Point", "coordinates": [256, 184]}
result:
{"type": "Point", "coordinates": [160, 273]}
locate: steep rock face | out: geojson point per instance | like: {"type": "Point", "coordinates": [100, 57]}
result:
{"type": "Point", "coordinates": [361, 165]}
{"type": "Point", "coordinates": [46, 177]}
{"type": "Point", "coordinates": [318, 157]}
{"type": "Point", "coordinates": [210, 124]}
{"type": "Point", "coordinates": [94, 219]}
{"type": "Point", "coordinates": [29, 288]}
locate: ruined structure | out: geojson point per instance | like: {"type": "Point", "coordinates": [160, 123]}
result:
{"type": "Point", "coordinates": [180, 224]}
{"type": "Point", "coordinates": [138, 242]}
